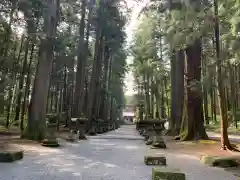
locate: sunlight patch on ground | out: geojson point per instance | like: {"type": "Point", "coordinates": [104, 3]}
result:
{"type": "Point", "coordinates": [130, 147]}
{"type": "Point", "coordinates": [176, 155]}
{"type": "Point", "coordinates": [110, 165]}
{"type": "Point", "coordinates": [76, 174]}
{"type": "Point", "coordinates": [37, 148]}
{"type": "Point", "coordinates": [103, 144]}
{"type": "Point", "coordinates": [186, 156]}
{"type": "Point", "coordinates": [105, 174]}
{"type": "Point", "coordinates": [72, 157]}
{"type": "Point", "coordinates": [56, 161]}
{"type": "Point", "coordinates": [91, 165]}
{"type": "Point", "coordinates": [99, 148]}
{"type": "Point", "coordinates": [65, 170]}
{"type": "Point", "coordinates": [87, 160]}
{"type": "Point", "coordinates": [99, 140]}
{"type": "Point", "coordinates": [68, 164]}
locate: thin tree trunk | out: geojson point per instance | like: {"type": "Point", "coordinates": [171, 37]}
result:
{"type": "Point", "coordinates": [172, 121]}
{"type": "Point", "coordinates": [28, 82]}
{"type": "Point", "coordinates": [225, 143]}
{"type": "Point", "coordinates": [10, 91]}
{"type": "Point", "coordinates": [21, 81]}
{"type": "Point", "coordinates": [80, 67]}
{"type": "Point", "coordinates": [18, 59]}
{"type": "Point", "coordinates": [166, 91]}
{"type": "Point", "coordinates": [205, 91]}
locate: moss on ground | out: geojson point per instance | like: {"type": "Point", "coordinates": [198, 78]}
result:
{"type": "Point", "coordinates": [165, 173]}
{"type": "Point", "coordinates": [215, 161]}
{"type": "Point", "coordinates": [11, 156]}
{"type": "Point", "coordinates": [207, 142]}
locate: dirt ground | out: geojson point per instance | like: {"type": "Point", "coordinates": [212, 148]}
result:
{"type": "Point", "coordinates": [196, 148]}
{"type": "Point", "coordinates": [199, 148]}
{"type": "Point", "coordinates": [11, 140]}
{"type": "Point", "coordinates": [203, 147]}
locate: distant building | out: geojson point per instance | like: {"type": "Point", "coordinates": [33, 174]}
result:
{"type": "Point", "coordinates": [129, 113]}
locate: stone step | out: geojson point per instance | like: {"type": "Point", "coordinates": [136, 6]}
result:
{"type": "Point", "coordinates": [155, 160]}
{"type": "Point", "coordinates": [165, 173]}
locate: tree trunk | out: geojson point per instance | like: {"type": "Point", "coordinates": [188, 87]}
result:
{"type": "Point", "coordinates": [80, 67]}
{"type": "Point", "coordinates": [38, 104]}
{"type": "Point", "coordinates": [96, 65]}
{"type": "Point", "coordinates": [152, 97]}
{"type": "Point", "coordinates": [105, 85]}
{"type": "Point", "coordinates": [166, 92]}
{"type": "Point", "coordinates": [28, 82]}
{"type": "Point", "coordinates": [10, 91]}
{"type": "Point", "coordinates": [172, 121]}
{"type": "Point", "coordinates": [98, 87]}
{"type": "Point", "coordinates": [21, 81]}
{"type": "Point", "coordinates": [194, 124]}
{"type": "Point", "coordinates": [205, 91]}
{"type": "Point", "coordinates": [177, 87]}
{"type": "Point", "coordinates": [65, 103]}
{"type": "Point", "coordinates": [83, 90]}
{"type": "Point", "coordinates": [225, 143]}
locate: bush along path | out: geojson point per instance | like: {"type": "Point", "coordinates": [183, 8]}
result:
{"type": "Point", "coordinates": [116, 155]}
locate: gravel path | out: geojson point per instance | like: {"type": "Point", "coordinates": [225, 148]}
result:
{"type": "Point", "coordinates": [117, 155]}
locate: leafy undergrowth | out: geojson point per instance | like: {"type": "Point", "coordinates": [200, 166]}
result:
{"type": "Point", "coordinates": [13, 130]}
{"type": "Point", "coordinates": [216, 128]}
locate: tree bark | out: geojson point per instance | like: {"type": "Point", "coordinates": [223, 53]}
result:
{"type": "Point", "coordinates": [10, 91]}
{"type": "Point", "coordinates": [194, 124]}
{"type": "Point", "coordinates": [21, 81]}
{"type": "Point", "coordinates": [79, 75]}
{"type": "Point", "coordinates": [172, 121]}
{"type": "Point", "coordinates": [205, 91]}
{"type": "Point", "coordinates": [38, 104]}
{"type": "Point", "coordinates": [27, 87]}
{"type": "Point", "coordinates": [96, 65]}
{"type": "Point", "coordinates": [83, 90]}
{"type": "Point", "coordinates": [225, 143]}
{"type": "Point", "coordinates": [179, 89]}
{"type": "Point", "coordinates": [177, 94]}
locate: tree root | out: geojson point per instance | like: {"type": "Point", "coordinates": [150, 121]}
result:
{"type": "Point", "coordinates": [230, 147]}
